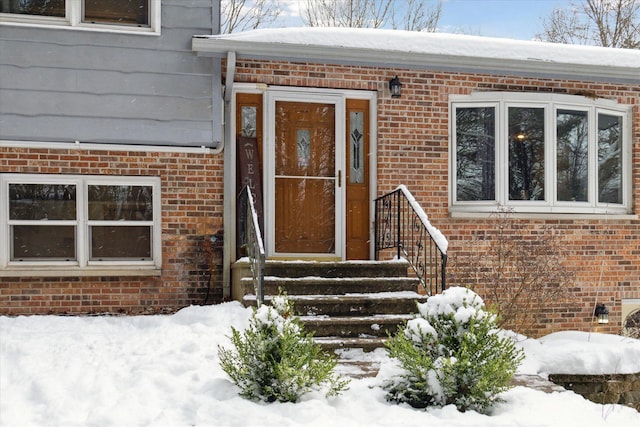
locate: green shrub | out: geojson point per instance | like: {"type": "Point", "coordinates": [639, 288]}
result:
{"type": "Point", "coordinates": [452, 353]}
{"type": "Point", "coordinates": [274, 359]}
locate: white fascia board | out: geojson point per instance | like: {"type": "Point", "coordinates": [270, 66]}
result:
{"type": "Point", "coordinates": [206, 46]}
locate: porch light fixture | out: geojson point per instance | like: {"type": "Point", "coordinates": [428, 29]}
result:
{"type": "Point", "coordinates": [601, 314]}
{"type": "Point", "coordinates": [395, 87]}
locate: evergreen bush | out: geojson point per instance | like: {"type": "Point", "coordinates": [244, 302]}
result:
{"type": "Point", "coordinates": [452, 353]}
{"type": "Point", "coordinates": [275, 360]}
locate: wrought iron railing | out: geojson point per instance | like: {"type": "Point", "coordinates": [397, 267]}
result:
{"type": "Point", "coordinates": [401, 223]}
{"type": "Point", "coordinates": [253, 243]}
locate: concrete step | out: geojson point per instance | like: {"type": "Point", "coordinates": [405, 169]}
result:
{"type": "Point", "coordinates": [330, 269]}
{"type": "Point", "coordinates": [333, 286]}
{"type": "Point", "coordinates": [354, 326]}
{"type": "Point", "coordinates": [353, 304]}
{"type": "Point", "coordinates": [337, 343]}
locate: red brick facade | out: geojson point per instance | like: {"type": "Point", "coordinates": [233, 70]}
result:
{"type": "Point", "coordinates": [412, 149]}
{"type": "Point", "coordinates": [191, 191]}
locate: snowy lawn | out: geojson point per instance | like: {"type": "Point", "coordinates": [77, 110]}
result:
{"type": "Point", "coordinates": [163, 371]}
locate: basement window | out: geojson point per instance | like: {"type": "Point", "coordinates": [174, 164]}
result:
{"type": "Point", "coordinates": [80, 221]}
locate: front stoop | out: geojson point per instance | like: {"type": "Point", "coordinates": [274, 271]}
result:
{"type": "Point", "coordinates": [345, 304]}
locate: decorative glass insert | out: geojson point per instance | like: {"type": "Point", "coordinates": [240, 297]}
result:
{"type": "Point", "coordinates": [303, 142]}
{"type": "Point", "coordinates": [609, 158]}
{"type": "Point", "coordinates": [248, 117]}
{"type": "Point", "coordinates": [475, 153]}
{"type": "Point", "coordinates": [356, 147]}
{"type": "Point", "coordinates": [572, 155]}
{"type": "Point", "coordinates": [526, 153]}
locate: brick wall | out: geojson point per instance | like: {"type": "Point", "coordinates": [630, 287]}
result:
{"type": "Point", "coordinates": [413, 149]}
{"type": "Point", "coordinates": [191, 191]}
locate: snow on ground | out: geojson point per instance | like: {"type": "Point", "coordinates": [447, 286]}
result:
{"type": "Point", "coordinates": [163, 371]}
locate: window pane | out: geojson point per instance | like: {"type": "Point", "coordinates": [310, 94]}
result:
{"type": "Point", "coordinates": [475, 153]}
{"type": "Point", "coordinates": [609, 159]}
{"type": "Point", "coordinates": [32, 242]}
{"type": "Point", "coordinates": [120, 203]}
{"type": "Point", "coordinates": [526, 153]}
{"type": "Point", "coordinates": [34, 7]}
{"type": "Point", "coordinates": [123, 12]}
{"type": "Point", "coordinates": [573, 155]}
{"type": "Point", "coordinates": [121, 243]}
{"type": "Point", "coordinates": [36, 202]}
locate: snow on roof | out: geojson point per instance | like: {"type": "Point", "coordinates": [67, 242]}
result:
{"type": "Point", "coordinates": [414, 48]}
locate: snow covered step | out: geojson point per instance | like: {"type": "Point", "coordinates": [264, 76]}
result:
{"type": "Point", "coordinates": [355, 304]}
{"type": "Point", "coordinates": [329, 269]}
{"type": "Point", "coordinates": [338, 343]}
{"type": "Point", "coordinates": [315, 285]}
{"type": "Point", "coordinates": [354, 326]}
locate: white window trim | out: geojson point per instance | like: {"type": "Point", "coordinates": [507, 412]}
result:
{"type": "Point", "coordinates": [73, 21]}
{"type": "Point", "coordinates": [551, 103]}
{"type": "Point", "coordinates": [82, 265]}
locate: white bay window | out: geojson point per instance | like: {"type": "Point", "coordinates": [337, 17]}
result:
{"type": "Point", "coordinates": [539, 153]}
{"type": "Point", "coordinates": [80, 221]}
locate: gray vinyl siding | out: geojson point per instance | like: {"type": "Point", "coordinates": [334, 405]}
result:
{"type": "Point", "coordinates": [71, 85]}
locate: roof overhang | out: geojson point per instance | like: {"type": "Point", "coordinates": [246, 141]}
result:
{"type": "Point", "coordinates": [248, 48]}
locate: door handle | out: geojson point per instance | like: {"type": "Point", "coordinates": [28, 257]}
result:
{"type": "Point", "coordinates": [339, 178]}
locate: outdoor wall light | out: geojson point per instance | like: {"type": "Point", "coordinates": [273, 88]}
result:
{"type": "Point", "coordinates": [395, 87]}
{"type": "Point", "coordinates": [601, 314]}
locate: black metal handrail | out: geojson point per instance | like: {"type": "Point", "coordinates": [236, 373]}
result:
{"type": "Point", "coordinates": [253, 243]}
{"type": "Point", "coordinates": [401, 223]}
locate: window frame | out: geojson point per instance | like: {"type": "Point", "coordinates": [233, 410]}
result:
{"type": "Point", "coordinates": [82, 224]}
{"type": "Point", "coordinates": [73, 20]}
{"type": "Point", "coordinates": [551, 104]}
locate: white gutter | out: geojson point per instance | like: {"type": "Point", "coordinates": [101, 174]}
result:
{"type": "Point", "coordinates": [229, 180]}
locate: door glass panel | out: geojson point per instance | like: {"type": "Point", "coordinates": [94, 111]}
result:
{"type": "Point", "coordinates": [572, 155]}
{"type": "Point", "coordinates": [249, 124]}
{"type": "Point", "coordinates": [35, 242]}
{"type": "Point", "coordinates": [526, 153]}
{"type": "Point", "coordinates": [303, 142]}
{"type": "Point", "coordinates": [609, 159]}
{"type": "Point", "coordinates": [356, 149]}
{"type": "Point", "coordinates": [305, 178]}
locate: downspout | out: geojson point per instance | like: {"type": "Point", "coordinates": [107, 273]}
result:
{"type": "Point", "coordinates": [229, 179]}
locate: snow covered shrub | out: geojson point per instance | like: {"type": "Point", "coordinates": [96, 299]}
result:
{"type": "Point", "coordinates": [274, 359]}
{"type": "Point", "coordinates": [451, 353]}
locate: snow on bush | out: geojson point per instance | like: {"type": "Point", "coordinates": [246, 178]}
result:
{"type": "Point", "coordinates": [451, 353]}
{"type": "Point", "coordinates": [274, 359]}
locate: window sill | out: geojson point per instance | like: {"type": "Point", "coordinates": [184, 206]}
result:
{"type": "Point", "coordinates": [548, 216]}
{"type": "Point", "coordinates": [50, 271]}
{"type": "Point", "coordinates": [100, 28]}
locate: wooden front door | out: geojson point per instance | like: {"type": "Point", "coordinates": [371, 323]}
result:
{"type": "Point", "coordinates": [306, 179]}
